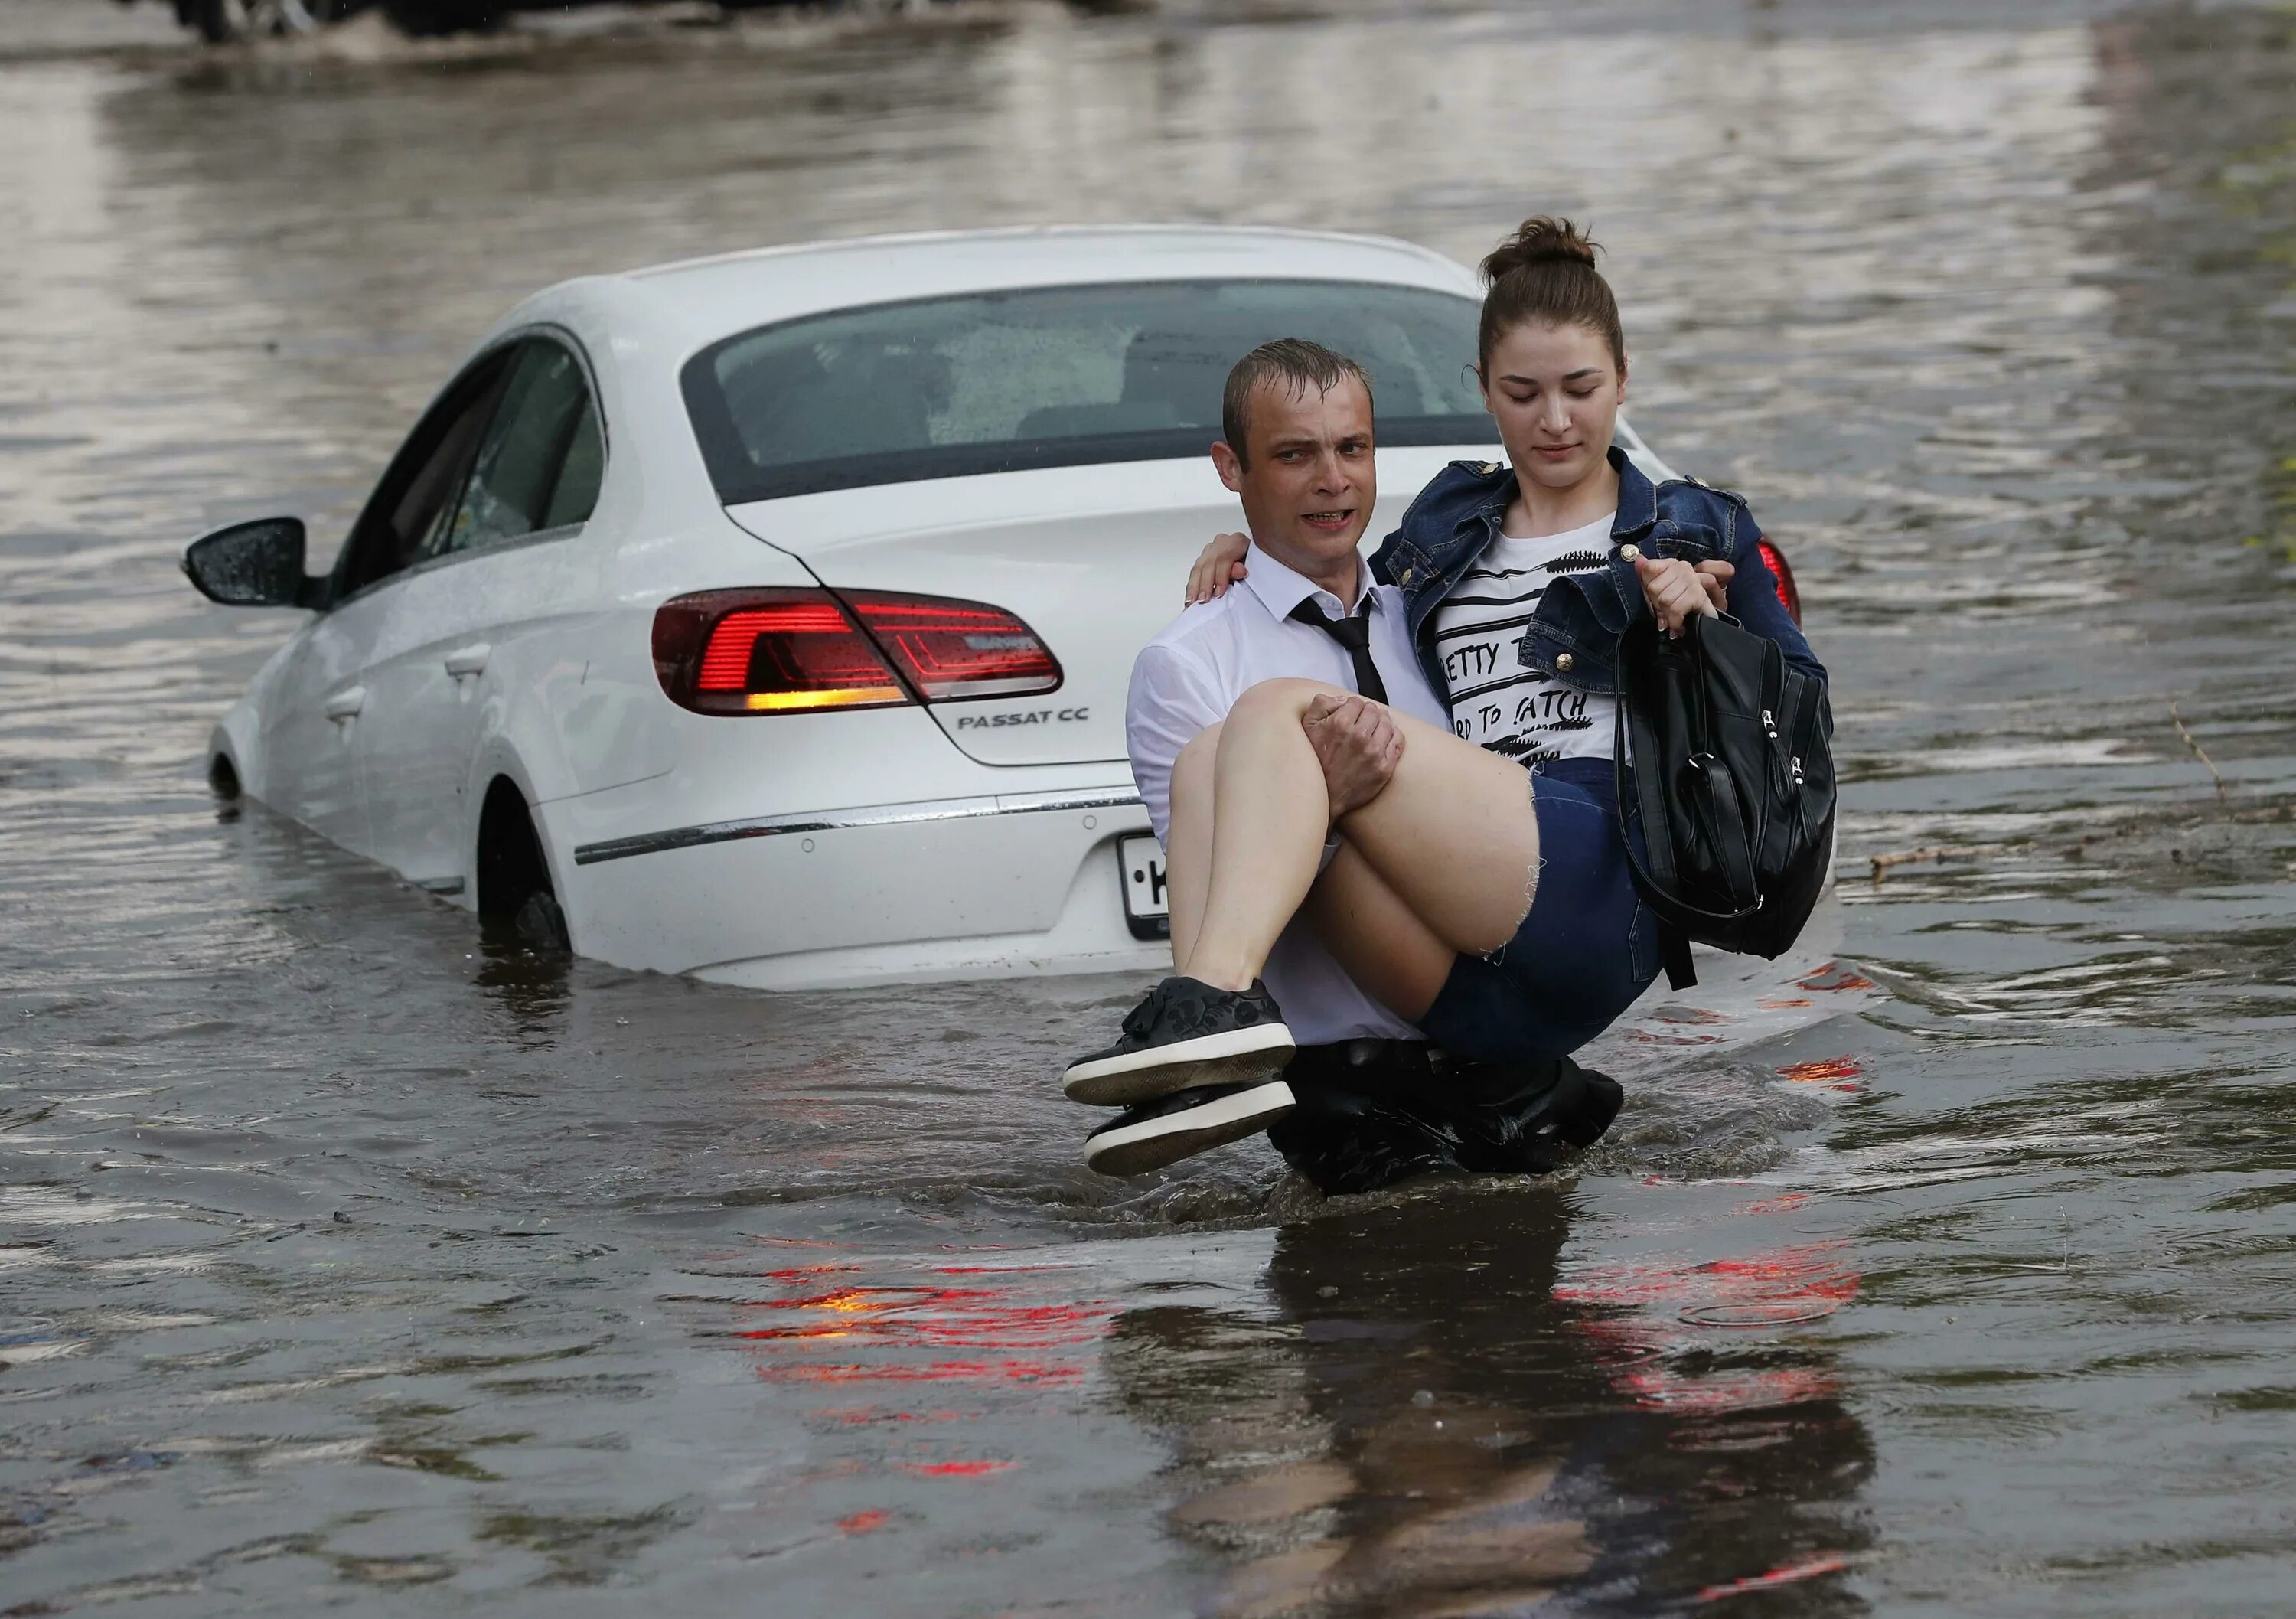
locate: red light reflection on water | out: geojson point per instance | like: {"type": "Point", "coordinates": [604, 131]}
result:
{"type": "Point", "coordinates": [1829, 1070]}
{"type": "Point", "coordinates": [1785, 1202]}
{"type": "Point", "coordinates": [1804, 1273]}
{"type": "Point", "coordinates": [938, 1371]}
{"type": "Point", "coordinates": [1664, 1310]}
{"type": "Point", "coordinates": [1786, 1575]}
{"type": "Point", "coordinates": [1010, 1325]}
{"type": "Point", "coordinates": [863, 1337]}
{"type": "Point", "coordinates": [956, 1469]}
{"type": "Point", "coordinates": [981, 1317]}
{"type": "Point", "coordinates": [1664, 1390]}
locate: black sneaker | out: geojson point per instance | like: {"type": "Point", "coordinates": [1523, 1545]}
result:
{"type": "Point", "coordinates": [1184, 1035]}
{"type": "Point", "coordinates": [1141, 1140]}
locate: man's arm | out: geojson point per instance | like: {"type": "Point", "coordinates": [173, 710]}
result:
{"type": "Point", "coordinates": [1172, 702]}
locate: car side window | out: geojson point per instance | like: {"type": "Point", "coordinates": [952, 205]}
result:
{"type": "Point", "coordinates": [584, 468]}
{"type": "Point", "coordinates": [539, 464]}
{"type": "Point", "coordinates": [421, 489]}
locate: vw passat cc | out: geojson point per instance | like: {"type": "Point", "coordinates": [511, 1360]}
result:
{"type": "Point", "coordinates": [769, 617]}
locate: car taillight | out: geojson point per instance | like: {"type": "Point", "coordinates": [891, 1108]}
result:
{"type": "Point", "coordinates": [757, 652]}
{"type": "Point", "coordinates": [1789, 595]}
{"type": "Point", "coordinates": [956, 649]}
{"type": "Point", "coordinates": [780, 651]}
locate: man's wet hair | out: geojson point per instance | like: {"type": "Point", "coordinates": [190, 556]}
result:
{"type": "Point", "coordinates": [1294, 362]}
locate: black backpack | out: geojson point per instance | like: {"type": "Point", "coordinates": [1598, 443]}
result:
{"type": "Point", "coordinates": [1725, 768]}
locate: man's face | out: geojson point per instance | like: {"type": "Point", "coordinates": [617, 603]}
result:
{"type": "Point", "coordinates": [1310, 483]}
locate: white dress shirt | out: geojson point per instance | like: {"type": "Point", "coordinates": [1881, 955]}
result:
{"type": "Point", "coordinates": [1186, 680]}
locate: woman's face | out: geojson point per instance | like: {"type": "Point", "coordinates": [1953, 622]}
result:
{"type": "Point", "coordinates": [1556, 392]}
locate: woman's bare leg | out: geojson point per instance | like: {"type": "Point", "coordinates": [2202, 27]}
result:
{"type": "Point", "coordinates": [1378, 941]}
{"type": "Point", "coordinates": [1271, 813]}
{"type": "Point", "coordinates": [1373, 935]}
{"type": "Point", "coordinates": [1188, 843]}
{"type": "Point", "coordinates": [1453, 834]}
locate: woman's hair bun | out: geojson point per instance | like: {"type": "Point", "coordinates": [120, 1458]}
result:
{"type": "Point", "coordinates": [1541, 240]}
{"type": "Point", "coordinates": [1545, 272]}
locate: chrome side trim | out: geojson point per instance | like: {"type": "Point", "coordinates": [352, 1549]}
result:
{"type": "Point", "coordinates": [839, 821]}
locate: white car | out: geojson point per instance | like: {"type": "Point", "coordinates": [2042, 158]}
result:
{"type": "Point", "coordinates": [768, 617]}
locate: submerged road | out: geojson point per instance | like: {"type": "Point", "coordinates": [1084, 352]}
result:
{"type": "Point", "coordinates": [351, 1260]}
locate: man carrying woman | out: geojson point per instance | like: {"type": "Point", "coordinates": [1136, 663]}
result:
{"type": "Point", "coordinates": [1470, 880]}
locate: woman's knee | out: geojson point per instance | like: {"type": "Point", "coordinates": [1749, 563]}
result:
{"type": "Point", "coordinates": [1279, 696]}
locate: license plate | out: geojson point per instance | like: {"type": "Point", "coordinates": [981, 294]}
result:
{"type": "Point", "coordinates": [1140, 862]}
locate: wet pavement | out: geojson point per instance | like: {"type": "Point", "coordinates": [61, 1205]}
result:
{"type": "Point", "coordinates": [349, 1259]}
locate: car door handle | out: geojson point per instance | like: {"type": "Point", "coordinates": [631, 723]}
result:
{"type": "Point", "coordinates": [347, 704]}
{"type": "Point", "coordinates": [465, 662]}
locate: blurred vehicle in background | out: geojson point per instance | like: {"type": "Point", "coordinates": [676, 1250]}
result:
{"type": "Point", "coordinates": [770, 617]}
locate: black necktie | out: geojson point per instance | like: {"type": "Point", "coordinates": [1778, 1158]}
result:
{"type": "Point", "coordinates": [1355, 634]}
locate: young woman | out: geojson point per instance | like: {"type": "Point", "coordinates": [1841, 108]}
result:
{"type": "Point", "coordinates": [1482, 891]}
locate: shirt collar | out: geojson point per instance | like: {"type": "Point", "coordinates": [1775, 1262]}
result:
{"type": "Point", "coordinates": [1280, 589]}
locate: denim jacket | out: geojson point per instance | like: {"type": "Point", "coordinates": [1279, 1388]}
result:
{"type": "Point", "coordinates": [1573, 634]}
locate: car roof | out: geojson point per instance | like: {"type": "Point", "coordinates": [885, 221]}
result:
{"type": "Point", "coordinates": [698, 300]}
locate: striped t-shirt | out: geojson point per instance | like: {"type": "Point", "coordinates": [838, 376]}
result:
{"type": "Point", "coordinates": [1496, 701]}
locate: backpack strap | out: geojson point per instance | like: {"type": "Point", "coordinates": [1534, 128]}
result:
{"type": "Point", "coordinates": [1726, 826]}
{"type": "Point", "coordinates": [1639, 795]}
{"type": "Point", "coordinates": [1674, 951]}
{"type": "Point", "coordinates": [1654, 866]}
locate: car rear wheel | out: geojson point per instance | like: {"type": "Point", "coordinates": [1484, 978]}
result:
{"type": "Point", "coordinates": [223, 781]}
{"type": "Point", "coordinates": [514, 888]}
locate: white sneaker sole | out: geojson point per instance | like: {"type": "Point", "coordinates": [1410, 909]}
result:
{"type": "Point", "coordinates": [1212, 1059]}
{"type": "Point", "coordinates": [1150, 1145]}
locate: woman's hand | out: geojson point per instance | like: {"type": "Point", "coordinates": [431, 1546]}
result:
{"type": "Point", "coordinates": [1218, 566]}
{"type": "Point", "coordinates": [1358, 745]}
{"type": "Point", "coordinates": [1678, 592]}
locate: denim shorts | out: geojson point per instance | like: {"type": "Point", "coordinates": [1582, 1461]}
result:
{"type": "Point", "coordinates": [1589, 947]}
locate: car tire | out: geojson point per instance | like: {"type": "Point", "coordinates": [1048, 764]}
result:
{"type": "Point", "coordinates": [539, 923]}
{"type": "Point", "coordinates": [223, 781]}
{"type": "Point", "coordinates": [514, 886]}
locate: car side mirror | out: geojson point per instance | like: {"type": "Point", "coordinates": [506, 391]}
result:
{"type": "Point", "coordinates": [254, 564]}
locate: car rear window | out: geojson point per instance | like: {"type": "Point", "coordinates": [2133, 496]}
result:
{"type": "Point", "coordinates": [1053, 376]}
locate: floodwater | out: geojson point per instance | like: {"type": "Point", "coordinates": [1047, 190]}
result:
{"type": "Point", "coordinates": [351, 1260]}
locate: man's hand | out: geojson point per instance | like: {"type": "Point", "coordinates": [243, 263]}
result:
{"type": "Point", "coordinates": [1217, 565]}
{"type": "Point", "coordinates": [1358, 745]}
